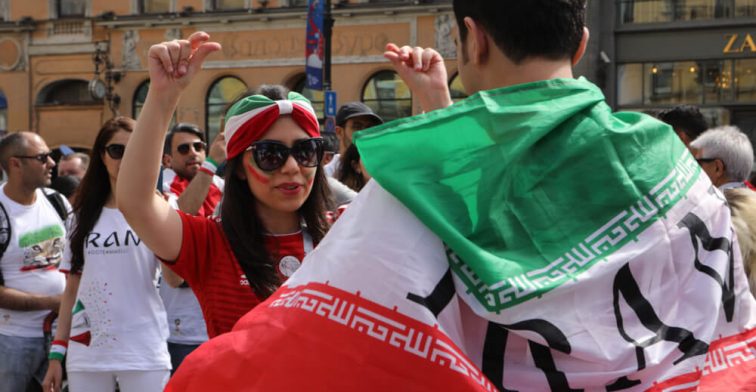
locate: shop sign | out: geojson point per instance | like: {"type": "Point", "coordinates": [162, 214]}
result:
{"type": "Point", "coordinates": [739, 43]}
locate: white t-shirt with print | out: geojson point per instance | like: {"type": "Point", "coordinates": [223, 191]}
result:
{"type": "Point", "coordinates": [118, 320]}
{"type": "Point", "coordinates": [30, 263]}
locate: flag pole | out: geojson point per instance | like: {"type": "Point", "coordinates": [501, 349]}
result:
{"type": "Point", "coordinates": [327, 33]}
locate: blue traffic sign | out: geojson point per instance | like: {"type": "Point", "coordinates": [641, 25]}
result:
{"type": "Point", "coordinates": [330, 103]}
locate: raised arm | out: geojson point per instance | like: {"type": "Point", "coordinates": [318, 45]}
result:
{"type": "Point", "coordinates": [194, 195]}
{"type": "Point", "coordinates": [172, 65]}
{"type": "Point", "coordinates": [424, 72]}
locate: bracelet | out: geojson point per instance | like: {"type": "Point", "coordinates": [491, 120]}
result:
{"type": "Point", "coordinates": [209, 166]}
{"type": "Point", "coordinates": [211, 160]}
{"type": "Point", "coordinates": [58, 350]}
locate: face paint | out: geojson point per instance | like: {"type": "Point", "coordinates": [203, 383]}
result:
{"type": "Point", "coordinates": [257, 175]}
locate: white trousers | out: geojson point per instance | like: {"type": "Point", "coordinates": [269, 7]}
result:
{"type": "Point", "coordinates": [128, 381]}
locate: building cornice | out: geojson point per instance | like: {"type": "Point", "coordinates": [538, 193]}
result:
{"type": "Point", "coordinates": [265, 15]}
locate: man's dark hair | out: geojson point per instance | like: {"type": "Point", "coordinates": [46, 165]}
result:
{"type": "Point", "coordinates": [685, 118]}
{"type": "Point", "coordinates": [522, 29]}
{"type": "Point", "coordinates": [10, 145]}
{"type": "Point", "coordinates": [181, 128]}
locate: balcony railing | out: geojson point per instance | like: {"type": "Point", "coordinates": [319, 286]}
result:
{"type": "Point", "coordinates": [664, 11]}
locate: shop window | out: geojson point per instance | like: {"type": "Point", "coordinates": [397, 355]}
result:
{"type": "Point", "coordinates": [630, 84]}
{"type": "Point", "coordinates": [65, 92]}
{"type": "Point", "coordinates": [672, 83]}
{"type": "Point", "coordinates": [655, 11]}
{"type": "Point", "coordinates": [71, 8]}
{"type": "Point", "coordinates": [388, 95]}
{"type": "Point", "coordinates": [154, 6]}
{"type": "Point", "coordinates": [316, 97]}
{"type": "Point", "coordinates": [744, 80]}
{"type": "Point", "coordinates": [3, 114]}
{"type": "Point", "coordinates": [230, 4]}
{"type": "Point", "coordinates": [222, 93]}
{"type": "Point", "coordinates": [456, 88]}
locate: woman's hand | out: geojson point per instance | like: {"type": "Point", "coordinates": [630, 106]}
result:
{"type": "Point", "coordinates": [54, 377]}
{"type": "Point", "coordinates": [424, 72]}
{"type": "Point", "coordinates": [173, 64]}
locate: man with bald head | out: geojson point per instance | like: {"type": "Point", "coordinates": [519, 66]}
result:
{"type": "Point", "coordinates": [32, 238]}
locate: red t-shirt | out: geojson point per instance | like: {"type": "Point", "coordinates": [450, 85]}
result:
{"type": "Point", "coordinates": [208, 264]}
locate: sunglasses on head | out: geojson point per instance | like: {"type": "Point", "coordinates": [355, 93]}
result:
{"type": "Point", "coordinates": [39, 157]}
{"type": "Point", "coordinates": [183, 148]}
{"type": "Point", "coordinates": [115, 150]}
{"type": "Point", "coordinates": [269, 155]}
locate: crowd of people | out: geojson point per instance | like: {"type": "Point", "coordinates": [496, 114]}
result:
{"type": "Point", "coordinates": [539, 240]}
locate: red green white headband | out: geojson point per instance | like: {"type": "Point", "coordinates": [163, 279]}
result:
{"type": "Point", "coordinates": [252, 116]}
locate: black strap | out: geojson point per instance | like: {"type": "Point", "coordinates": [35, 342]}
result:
{"type": "Point", "coordinates": [56, 199]}
{"type": "Point", "coordinates": [5, 235]}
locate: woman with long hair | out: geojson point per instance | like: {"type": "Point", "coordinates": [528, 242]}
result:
{"type": "Point", "coordinates": [352, 172]}
{"type": "Point", "coordinates": [274, 205]}
{"type": "Point", "coordinates": [112, 324]}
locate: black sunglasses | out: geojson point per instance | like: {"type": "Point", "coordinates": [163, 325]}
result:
{"type": "Point", "coordinates": [115, 150]}
{"type": "Point", "coordinates": [39, 157]}
{"type": "Point", "coordinates": [270, 155]}
{"type": "Point", "coordinates": [183, 149]}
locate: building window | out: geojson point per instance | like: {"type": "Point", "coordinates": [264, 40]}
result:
{"type": "Point", "coordinates": [139, 97]}
{"type": "Point", "coordinates": [222, 93]}
{"type": "Point", "coordinates": [456, 88]}
{"type": "Point", "coordinates": [3, 114]}
{"type": "Point", "coordinates": [702, 82]}
{"type": "Point", "coordinates": [659, 11]}
{"type": "Point", "coordinates": [297, 3]}
{"type": "Point", "coordinates": [154, 6]}
{"type": "Point", "coordinates": [65, 92]}
{"type": "Point", "coordinates": [71, 8]}
{"type": "Point", "coordinates": [230, 4]}
{"type": "Point", "coordinates": [744, 80]}
{"type": "Point", "coordinates": [388, 95]}
{"type": "Point", "coordinates": [316, 97]}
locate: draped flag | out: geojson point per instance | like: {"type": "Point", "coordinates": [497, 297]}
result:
{"type": "Point", "coordinates": [525, 238]}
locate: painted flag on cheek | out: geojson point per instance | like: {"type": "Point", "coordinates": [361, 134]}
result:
{"type": "Point", "coordinates": [527, 239]}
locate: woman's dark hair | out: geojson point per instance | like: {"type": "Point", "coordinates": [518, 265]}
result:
{"type": "Point", "coordinates": [94, 190]}
{"type": "Point", "coordinates": [348, 173]}
{"type": "Point", "coordinates": [244, 229]}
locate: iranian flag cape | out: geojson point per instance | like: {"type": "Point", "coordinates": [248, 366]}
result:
{"type": "Point", "coordinates": [523, 239]}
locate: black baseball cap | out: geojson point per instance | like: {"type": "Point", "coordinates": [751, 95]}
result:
{"type": "Point", "coordinates": [355, 109]}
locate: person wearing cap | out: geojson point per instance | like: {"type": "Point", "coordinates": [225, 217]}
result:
{"type": "Point", "coordinates": [351, 117]}
{"type": "Point", "coordinates": [274, 207]}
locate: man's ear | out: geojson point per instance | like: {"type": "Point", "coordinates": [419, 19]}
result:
{"type": "Point", "coordinates": [167, 160]}
{"type": "Point", "coordinates": [478, 43]}
{"type": "Point", "coordinates": [582, 47]}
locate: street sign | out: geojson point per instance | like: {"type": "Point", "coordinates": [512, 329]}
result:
{"type": "Point", "coordinates": [330, 125]}
{"type": "Point", "coordinates": [330, 103]}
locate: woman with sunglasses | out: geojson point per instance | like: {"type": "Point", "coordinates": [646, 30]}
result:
{"type": "Point", "coordinates": [112, 323]}
{"type": "Point", "coordinates": [273, 210]}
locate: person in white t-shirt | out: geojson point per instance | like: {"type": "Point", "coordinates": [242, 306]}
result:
{"type": "Point", "coordinates": [112, 323]}
{"type": "Point", "coordinates": [32, 237]}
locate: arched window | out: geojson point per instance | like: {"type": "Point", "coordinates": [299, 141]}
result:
{"type": "Point", "coordinates": [222, 92]}
{"type": "Point", "coordinates": [388, 95]}
{"type": "Point", "coordinates": [139, 97]}
{"type": "Point", "coordinates": [3, 114]}
{"type": "Point", "coordinates": [66, 92]}
{"type": "Point", "coordinates": [316, 97]}
{"type": "Point", "coordinates": [456, 88]}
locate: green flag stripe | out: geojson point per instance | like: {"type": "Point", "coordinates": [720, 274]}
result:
{"type": "Point", "coordinates": [618, 232]}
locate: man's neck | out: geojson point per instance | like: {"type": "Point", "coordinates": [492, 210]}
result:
{"type": "Point", "coordinates": [19, 194]}
{"type": "Point", "coordinates": [506, 73]}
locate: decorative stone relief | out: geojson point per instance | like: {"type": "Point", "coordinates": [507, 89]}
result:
{"type": "Point", "coordinates": [11, 54]}
{"type": "Point", "coordinates": [130, 58]}
{"type": "Point", "coordinates": [444, 39]}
